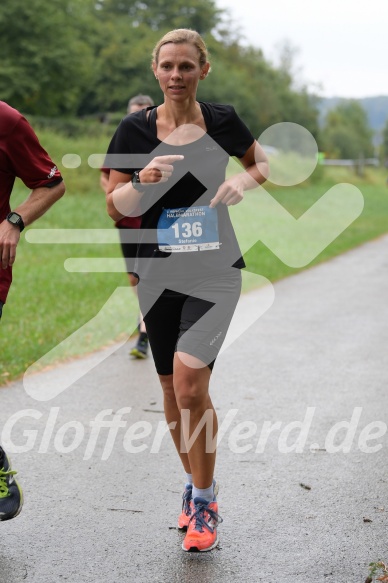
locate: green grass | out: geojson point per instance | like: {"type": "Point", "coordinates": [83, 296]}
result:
{"type": "Point", "coordinates": [372, 222]}
{"type": "Point", "coordinates": [47, 304]}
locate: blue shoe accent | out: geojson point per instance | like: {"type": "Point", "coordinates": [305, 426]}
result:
{"type": "Point", "coordinates": [184, 517]}
{"type": "Point", "coordinates": [200, 507]}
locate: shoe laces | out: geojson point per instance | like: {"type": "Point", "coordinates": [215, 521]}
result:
{"type": "Point", "coordinates": [186, 497]}
{"type": "Point", "coordinates": [3, 481]}
{"type": "Point", "coordinates": [199, 516]}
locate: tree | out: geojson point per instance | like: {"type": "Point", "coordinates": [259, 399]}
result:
{"type": "Point", "coordinates": [200, 15]}
{"type": "Point", "coordinates": [261, 94]}
{"type": "Point", "coordinates": [123, 68]}
{"type": "Point", "coordinates": [87, 57]}
{"type": "Point", "coordinates": [129, 29]}
{"type": "Point", "coordinates": [45, 63]}
{"type": "Point", "coordinates": [346, 133]}
{"type": "Point", "coordinates": [385, 141]}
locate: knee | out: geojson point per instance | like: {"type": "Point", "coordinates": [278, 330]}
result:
{"type": "Point", "coordinates": [190, 393]}
{"type": "Point", "coordinates": [168, 388]}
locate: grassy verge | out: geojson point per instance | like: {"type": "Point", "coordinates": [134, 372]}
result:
{"type": "Point", "coordinates": [372, 222]}
{"type": "Point", "coordinates": [51, 311]}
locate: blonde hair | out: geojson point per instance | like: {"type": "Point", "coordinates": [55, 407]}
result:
{"type": "Point", "coordinates": [180, 36]}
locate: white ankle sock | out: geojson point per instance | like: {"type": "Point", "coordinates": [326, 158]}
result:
{"type": "Point", "coordinates": [207, 493]}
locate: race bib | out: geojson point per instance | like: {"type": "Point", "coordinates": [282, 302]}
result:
{"type": "Point", "coordinates": [188, 229]}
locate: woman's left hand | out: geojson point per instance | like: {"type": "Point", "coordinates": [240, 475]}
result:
{"type": "Point", "coordinates": [230, 192]}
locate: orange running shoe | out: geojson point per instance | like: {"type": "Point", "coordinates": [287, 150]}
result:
{"type": "Point", "coordinates": [202, 530]}
{"type": "Point", "coordinates": [184, 517]}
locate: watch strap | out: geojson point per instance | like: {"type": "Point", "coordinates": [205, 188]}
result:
{"type": "Point", "coordinates": [136, 181]}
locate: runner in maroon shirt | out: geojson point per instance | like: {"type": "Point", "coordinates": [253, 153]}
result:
{"type": "Point", "coordinates": [22, 156]}
{"type": "Point", "coordinates": [140, 350]}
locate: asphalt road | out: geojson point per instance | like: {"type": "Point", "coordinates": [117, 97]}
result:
{"type": "Point", "coordinates": [302, 502]}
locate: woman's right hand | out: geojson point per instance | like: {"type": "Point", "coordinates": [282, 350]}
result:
{"type": "Point", "coordinates": [159, 169]}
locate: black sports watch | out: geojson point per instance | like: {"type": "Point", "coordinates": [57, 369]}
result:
{"type": "Point", "coordinates": [16, 219]}
{"type": "Point", "coordinates": [136, 181]}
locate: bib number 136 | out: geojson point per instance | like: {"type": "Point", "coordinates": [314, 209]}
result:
{"type": "Point", "coordinates": [186, 230]}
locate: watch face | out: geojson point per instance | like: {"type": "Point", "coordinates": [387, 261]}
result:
{"type": "Point", "coordinates": [14, 219]}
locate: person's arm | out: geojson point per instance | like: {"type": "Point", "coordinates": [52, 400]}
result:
{"type": "Point", "coordinates": [123, 198]}
{"type": "Point", "coordinates": [256, 172]}
{"type": "Point", "coordinates": [104, 180]}
{"type": "Point", "coordinates": [31, 163]}
{"type": "Point", "coordinates": [38, 202]}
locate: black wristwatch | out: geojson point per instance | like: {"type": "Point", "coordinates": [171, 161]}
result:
{"type": "Point", "coordinates": [15, 219]}
{"type": "Point", "coordinates": [136, 181]}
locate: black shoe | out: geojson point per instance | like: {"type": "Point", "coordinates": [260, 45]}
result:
{"type": "Point", "coordinates": [141, 348]}
{"type": "Point", "coordinates": [11, 495]}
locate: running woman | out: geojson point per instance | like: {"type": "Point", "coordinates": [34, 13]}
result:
{"type": "Point", "coordinates": [189, 260]}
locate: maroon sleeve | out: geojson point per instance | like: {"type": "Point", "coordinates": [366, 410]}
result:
{"type": "Point", "coordinates": [29, 160]}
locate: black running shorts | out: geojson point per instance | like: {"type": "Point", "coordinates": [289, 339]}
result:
{"type": "Point", "coordinates": [191, 316]}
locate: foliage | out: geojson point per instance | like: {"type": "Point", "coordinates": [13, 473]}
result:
{"type": "Point", "coordinates": [261, 95]}
{"type": "Point", "coordinates": [46, 59]}
{"type": "Point", "coordinates": [376, 108]}
{"type": "Point", "coordinates": [200, 15]}
{"type": "Point", "coordinates": [378, 568]}
{"type": "Point", "coordinates": [346, 133]}
{"type": "Point", "coordinates": [87, 57]}
{"type": "Point", "coordinates": [385, 141]}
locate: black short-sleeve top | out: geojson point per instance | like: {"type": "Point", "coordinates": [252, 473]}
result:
{"type": "Point", "coordinates": [194, 183]}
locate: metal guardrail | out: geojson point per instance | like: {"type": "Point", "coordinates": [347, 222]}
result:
{"type": "Point", "coordinates": [361, 162]}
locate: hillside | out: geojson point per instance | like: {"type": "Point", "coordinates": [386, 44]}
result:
{"type": "Point", "coordinates": [375, 107]}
